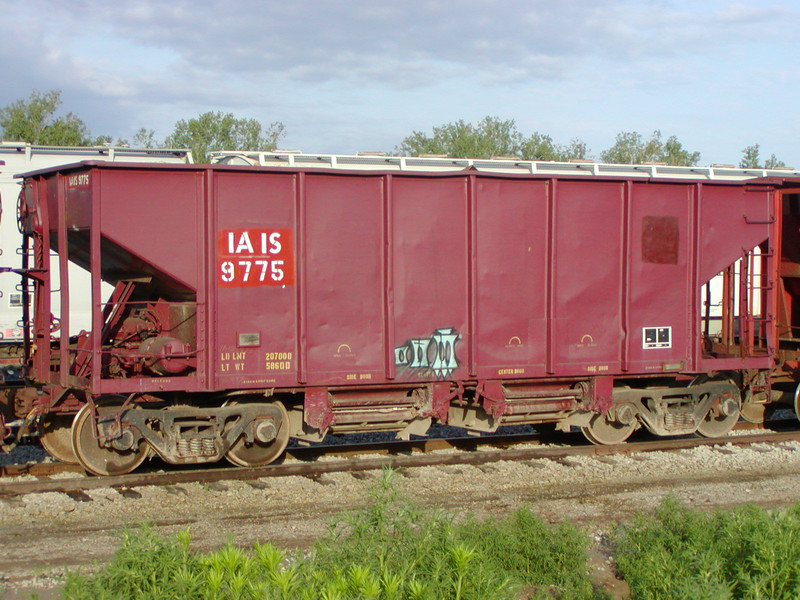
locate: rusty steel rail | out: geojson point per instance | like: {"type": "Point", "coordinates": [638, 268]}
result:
{"type": "Point", "coordinates": [317, 468]}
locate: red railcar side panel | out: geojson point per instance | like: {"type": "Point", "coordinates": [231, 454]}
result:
{"type": "Point", "coordinates": [588, 284]}
{"type": "Point", "coordinates": [344, 266]}
{"type": "Point", "coordinates": [430, 271]}
{"type": "Point", "coordinates": [255, 325]}
{"type": "Point", "coordinates": [661, 271]}
{"type": "Point", "coordinates": [733, 220]}
{"type": "Point", "coordinates": [512, 275]}
{"type": "Point", "coordinates": [78, 201]}
{"type": "Point", "coordinates": [167, 203]}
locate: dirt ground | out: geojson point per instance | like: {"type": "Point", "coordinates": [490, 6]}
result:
{"type": "Point", "coordinates": [41, 535]}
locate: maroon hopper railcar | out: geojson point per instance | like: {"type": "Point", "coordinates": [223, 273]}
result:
{"type": "Point", "coordinates": [252, 305]}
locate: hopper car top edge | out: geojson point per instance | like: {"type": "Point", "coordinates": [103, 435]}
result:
{"type": "Point", "coordinates": [505, 164]}
{"type": "Point", "coordinates": [772, 177]}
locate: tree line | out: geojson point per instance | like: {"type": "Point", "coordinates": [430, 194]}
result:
{"type": "Point", "coordinates": [34, 120]}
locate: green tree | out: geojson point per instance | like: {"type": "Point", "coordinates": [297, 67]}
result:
{"type": "Point", "coordinates": [538, 147]}
{"type": "Point", "coordinates": [491, 137]}
{"type": "Point", "coordinates": [751, 159]}
{"type": "Point", "coordinates": [542, 147]}
{"type": "Point", "coordinates": [631, 148]}
{"type": "Point", "coordinates": [223, 131]}
{"type": "Point", "coordinates": [145, 138]}
{"type": "Point", "coordinates": [33, 120]}
{"type": "Point", "coordinates": [576, 149]}
{"type": "Point", "coordinates": [459, 139]}
{"type": "Point", "coordinates": [773, 163]}
{"type": "Point", "coordinates": [675, 154]}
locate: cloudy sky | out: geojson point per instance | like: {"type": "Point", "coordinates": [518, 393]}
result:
{"type": "Point", "coordinates": [345, 76]}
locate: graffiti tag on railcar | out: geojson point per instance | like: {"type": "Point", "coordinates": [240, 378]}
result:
{"type": "Point", "coordinates": [432, 355]}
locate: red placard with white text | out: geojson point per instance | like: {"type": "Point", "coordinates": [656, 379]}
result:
{"type": "Point", "coordinates": [255, 257]}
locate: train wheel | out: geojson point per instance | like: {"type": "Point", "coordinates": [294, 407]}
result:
{"type": "Point", "coordinates": [796, 402]}
{"type": "Point", "coordinates": [55, 434]}
{"type": "Point", "coordinates": [720, 418]}
{"type": "Point", "coordinates": [604, 432]}
{"type": "Point", "coordinates": [98, 459]}
{"type": "Point", "coordinates": [256, 454]}
{"type": "Point", "coordinates": [752, 412]}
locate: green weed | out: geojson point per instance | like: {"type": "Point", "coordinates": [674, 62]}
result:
{"type": "Point", "coordinates": [534, 552]}
{"type": "Point", "coordinates": [389, 550]}
{"type": "Point", "coordinates": [145, 566]}
{"type": "Point", "coordinates": [747, 553]}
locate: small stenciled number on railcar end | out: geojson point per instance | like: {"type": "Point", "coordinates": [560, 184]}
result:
{"type": "Point", "coordinates": [255, 257]}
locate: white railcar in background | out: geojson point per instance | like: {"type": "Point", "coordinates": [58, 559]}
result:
{"type": "Point", "coordinates": [20, 157]}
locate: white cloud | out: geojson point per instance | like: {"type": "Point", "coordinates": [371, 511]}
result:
{"type": "Point", "coordinates": [361, 41]}
{"type": "Point", "coordinates": [344, 68]}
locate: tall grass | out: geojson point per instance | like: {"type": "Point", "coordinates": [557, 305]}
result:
{"type": "Point", "coordinates": [748, 553]}
{"type": "Point", "coordinates": [526, 548]}
{"type": "Point", "coordinates": [390, 550]}
{"type": "Point", "coordinates": [144, 566]}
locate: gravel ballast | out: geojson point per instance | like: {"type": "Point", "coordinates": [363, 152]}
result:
{"type": "Point", "coordinates": [42, 534]}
